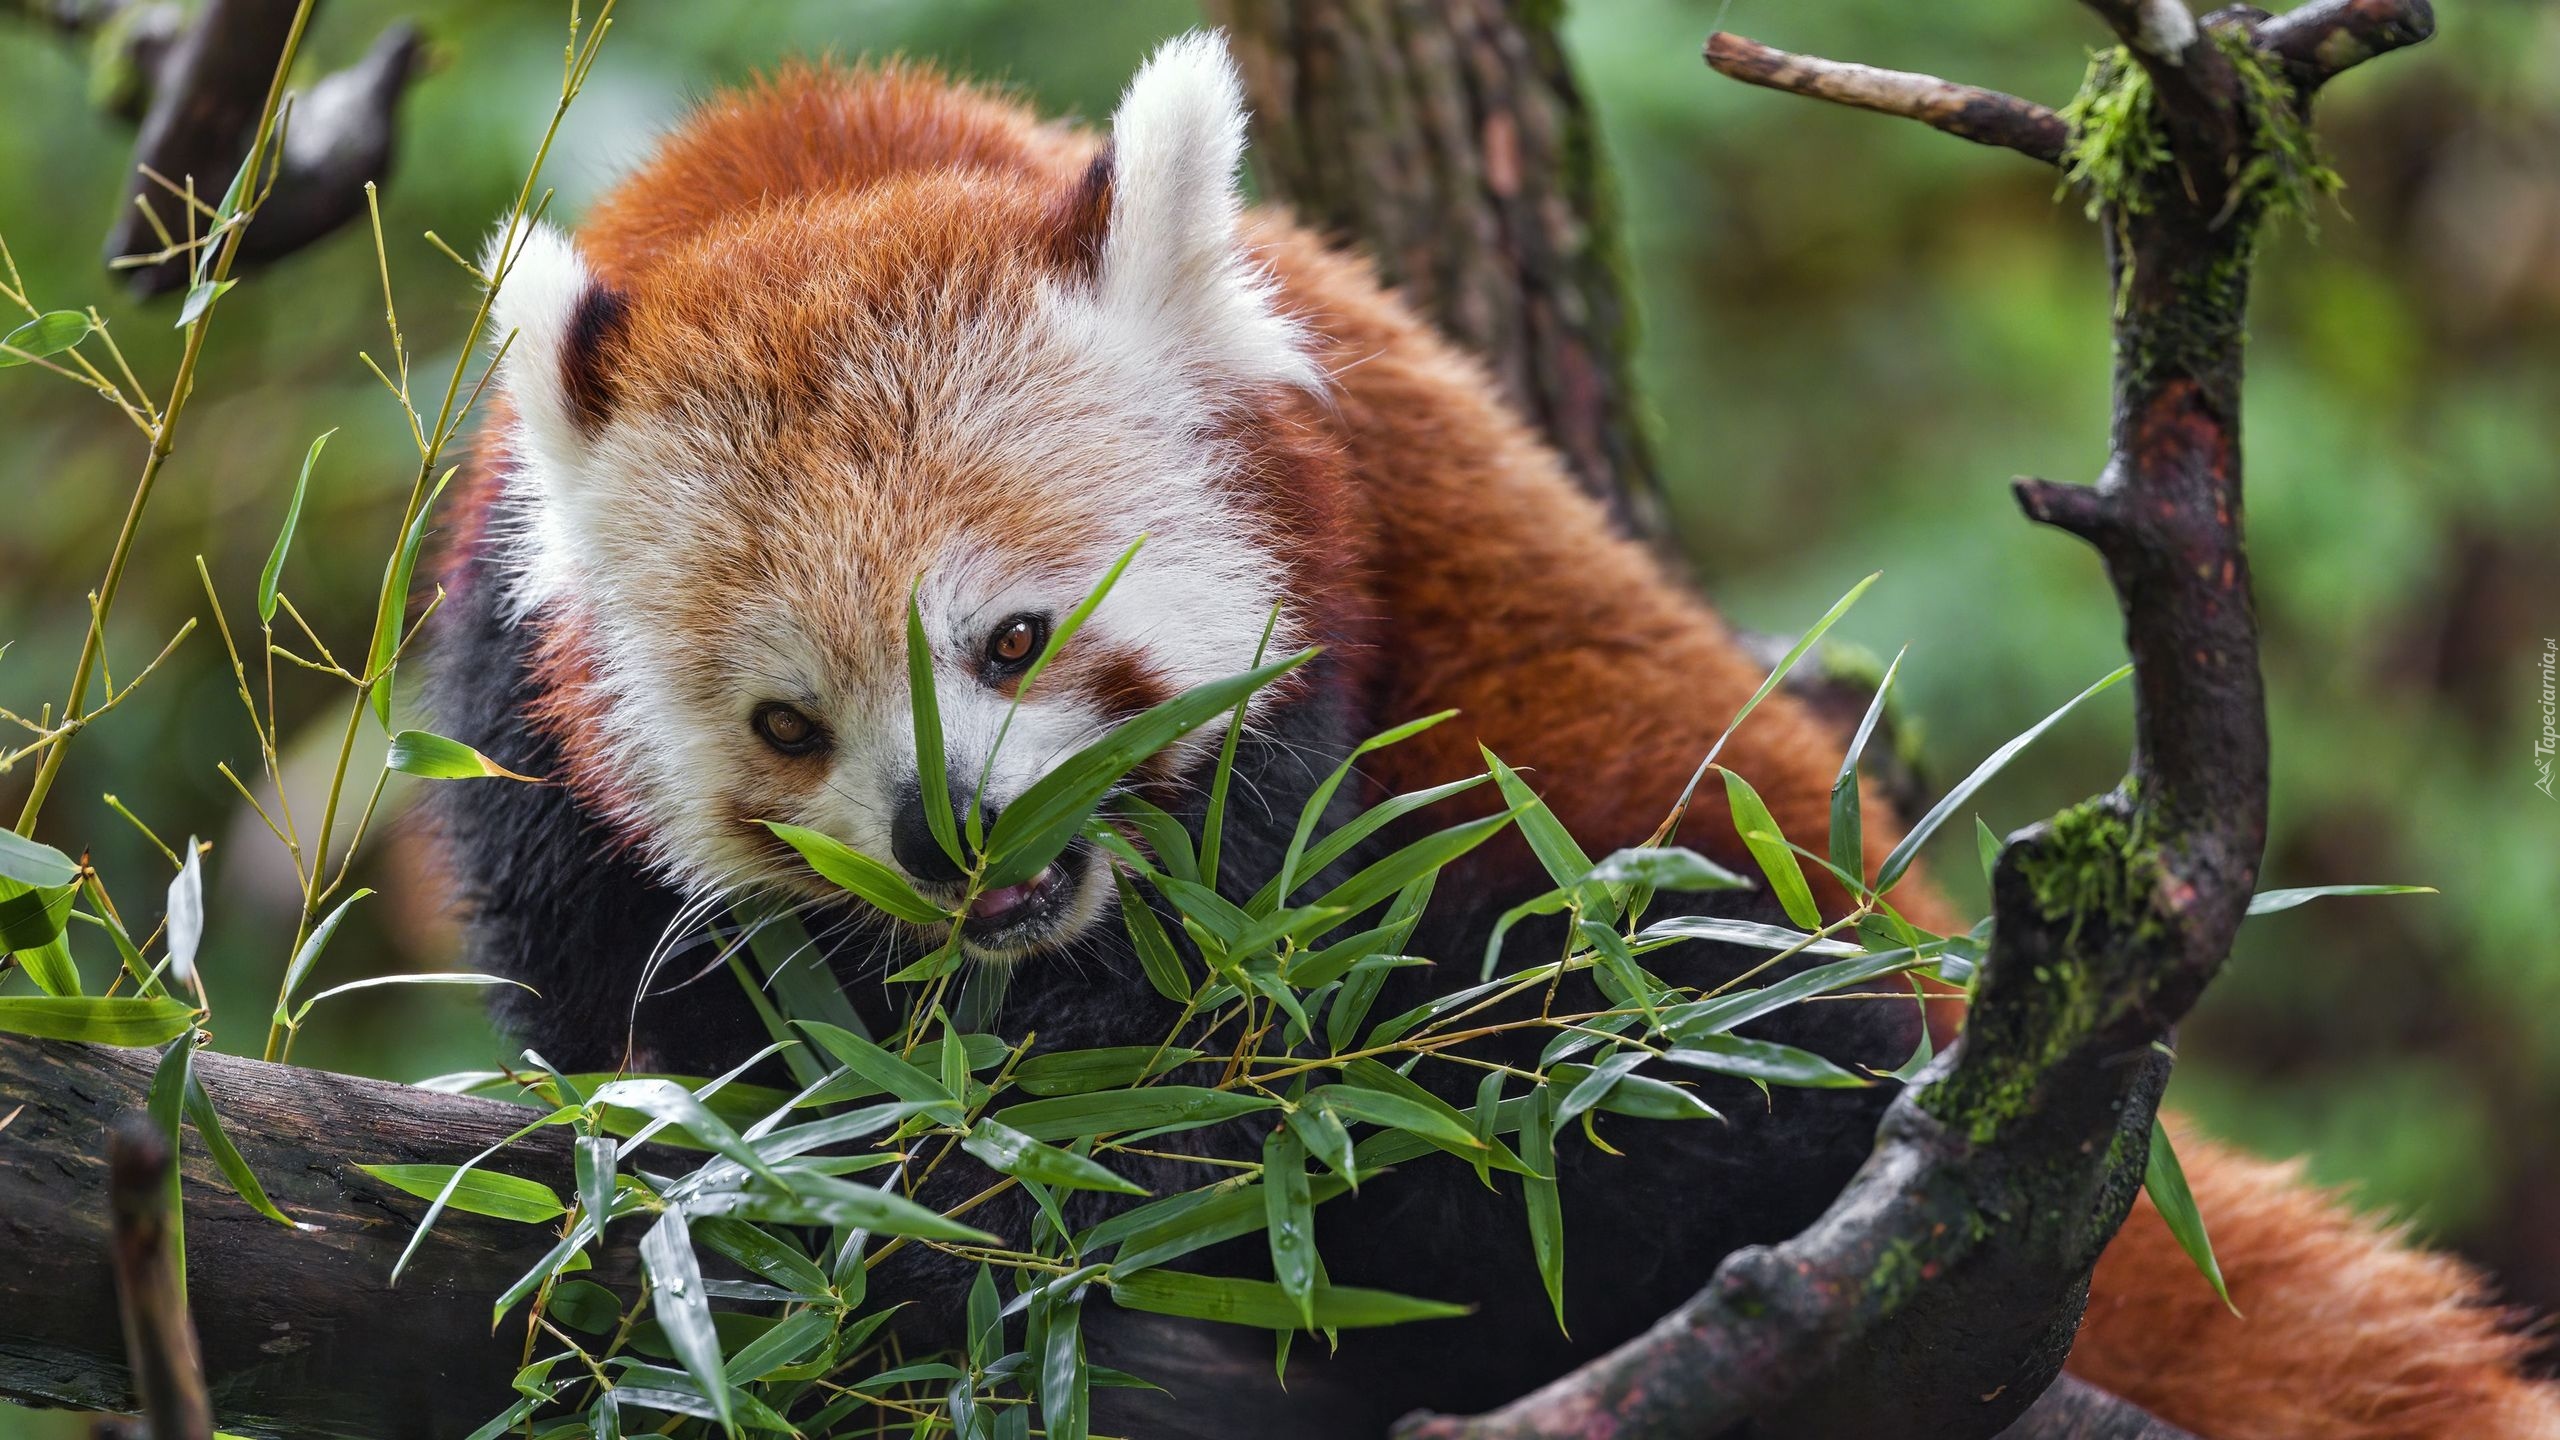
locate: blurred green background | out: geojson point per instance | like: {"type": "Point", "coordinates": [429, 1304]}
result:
{"type": "Point", "coordinates": [1854, 332]}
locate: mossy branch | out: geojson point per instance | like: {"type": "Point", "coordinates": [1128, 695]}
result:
{"type": "Point", "coordinates": [2005, 1170]}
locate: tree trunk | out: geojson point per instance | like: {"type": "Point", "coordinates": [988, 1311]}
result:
{"type": "Point", "coordinates": [1448, 140]}
{"type": "Point", "coordinates": [301, 1333]}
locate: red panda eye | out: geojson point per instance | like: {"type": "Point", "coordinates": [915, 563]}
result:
{"type": "Point", "coordinates": [1016, 641]}
{"type": "Point", "coordinates": [788, 729]}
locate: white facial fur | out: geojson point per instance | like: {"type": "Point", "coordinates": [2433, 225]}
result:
{"type": "Point", "coordinates": [704, 586]}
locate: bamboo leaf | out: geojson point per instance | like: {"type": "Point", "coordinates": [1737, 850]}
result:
{"type": "Point", "coordinates": [1153, 1107]}
{"type": "Point", "coordinates": [2165, 1181]}
{"type": "Point", "coordinates": [1956, 799]}
{"type": "Point", "coordinates": [433, 757]}
{"type": "Point", "coordinates": [1848, 841]}
{"type": "Point", "coordinates": [1045, 817]}
{"type": "Point", "coordinates": [274, 572]}
{"type": "Point", "coordinates": [1540, 1194]}
{"type": "Point", "coordinates": [1262, 1303]}
{"type": "Point", "coordinates": [850, 869]}
{"type": "Point", "coordinates": [1768, 845]}
{"type": "Point", "coordinates": [1010, 1152]}
{"type": "Point", "coordinates": [46, 335]}
{"type": "Point", "coordinates": [684, 1310]}
{"type": "Point", "coordinates": [933, 775]}
{"type": "Point", "coordinates": [226, 1156]}
{"type": "Point", "coordinates": [1289, 1220]}
{"type": "Point", "coordinates": [1763, 1060]}
{"type": "Point", "coordinates": [473, 1191]}
{"type": "Point", "coordinates": [2267, 902]}
{"type": "Point", "coordinates": [34, 864]}
{"type": "Point", "coordinates": [111, 1020]}
{"type": "Point", "coordinates": [309, 954]}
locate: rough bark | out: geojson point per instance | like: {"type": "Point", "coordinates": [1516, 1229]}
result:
{"type": "Point", "coordinates": [301, 1334]}
{"type": "Point", "coordinates": [1449, 140]}
{"type": "Point", "coordinates": [1944, 1287]}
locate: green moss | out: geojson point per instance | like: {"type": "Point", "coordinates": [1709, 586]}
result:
{"type": "Point", "coordinates": [2115, 135]}
{"type": "Point", "coordinates": [2285, 176]}
{"type": "Point", "coordinates": [2092, 873]}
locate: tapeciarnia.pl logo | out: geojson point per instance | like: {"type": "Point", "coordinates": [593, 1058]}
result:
{"type": "Point", "coordinates": [2549, 740]}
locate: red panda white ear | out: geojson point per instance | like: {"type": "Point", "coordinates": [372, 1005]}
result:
{"type": "Point", "coordinates": [1172, 264]}
{"type": "Point", "coordinates": [561, 319]}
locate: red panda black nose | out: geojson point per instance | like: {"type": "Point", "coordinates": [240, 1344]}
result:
{"type": "Point", "coordinates": [912, 845]}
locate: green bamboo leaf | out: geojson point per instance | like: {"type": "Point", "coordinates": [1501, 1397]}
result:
{"type": "Point", "coordinates": [1045, 817]}
{"type": "Point", "coordinates": [1263, 1304]}
{"type": "Point", "coordinates": [1008, 1151]}
{"type": "Point", "coordinates": [1289, 1220]}
{"type": "Point", "coordinates": [1360, 988]}
{"type": "Point", "coordinates": [1540, 1194]}
{"type": "Point", "coordinates": [1619, 1091]}
{"type": "Point", "coordinates": [887, 1072]}
{"type": "Point", "coordinates": [1213, 822]}
{"type": "Point", "coordinates": [788, 1343]}
{"type": "Point", "coordinates": [473, 1191]}
{"type": "Point", "coordinates": [819, 1199]}
{"type": "Point", "coordinates": [33, 864]}
{"type": "Point", "coordinates": [584, 1305]}
{"type": "Point", "coordinates": [1372, 1076]}
{"type": "Point", "coordinates": [471, 978]}
{"type": "Point", "coordinates": [1776, 675]}
{"type": "Point", "coordinates": [1668, 867]}
{"type": "Point", "coordinates": [1714, 1017]}
{"type": "Point", "coordinates": [1156, 955]}
{"type": "Point", "coordinates": [597, 1155]}
{"type": "Point", "coordinates": [1954, 800]}
{"type": "Point", "coordinates": [1554, 846]}
{"type": "Point", "coordinates": [274, 572]}
{"type": "Point", "coordinates": [309, 954]}
{"type": "Point", "coordinates": [1168, 842]}
{"type": "Point", "coordinates": [760, 1252]}
{"type": "Point", "coordinates": [1152, 1107]}
{"type": "Point", "coordinates": [1768, 845]}
{"type": "Point", "coordinates": [1322, 1131]}
{"type": "Point", "coordinates": [683, 1309]}
{"type": "Point", "coordinates": [391, 610]}
{"type": "Point", "coordinates": [226, 1156]}
{"type": "Point", "coordinates": [200, 298]}
{"type": "Point", "coordinates": [1309, 814]}
{"type": "Point", "coordinates": [46, 335]}
{"type": "Point", "coordinates": [1438, 1123]}
{"type": "Point", "coordinates": [1848, 840]}
{"type": "Point", "coordinates": [48, 964]}
{"type": "Point", "coordinates": [1064, 1382]}
{"type": "Point", "coordinates": [1401, 867]}
{"type": "Point", "coordinates": [433, 757]}
{"type": "Point", "coordinates": [1763, 1060]}
{"type": "Point", "coordinates": [1077, 1072]}
{"type": "Point", "coordinates": [110, 1020]}
{"type": "Point", "coordinates": [667, 1101]}
{"type": "Point", "coordinates": [2267, 902]}
{"type": "Point", "coordinates": [1369, 822]}
{"type": "Point", "coordinates": [1738, 932]}
{"type": "Point", "coordinates": [850, 869]}
{"type": "Point", "coordinates": [933, 776]}
{"type": "Point", "coordinates": [2165, 1181]}
{"type": "Point", "coordinates": [1986, 847]}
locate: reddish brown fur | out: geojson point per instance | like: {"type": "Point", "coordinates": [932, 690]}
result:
{"type": "Point", "coordinates": [1421, 507]}
{"type": "Point", "coordinates": [2350, 1333]}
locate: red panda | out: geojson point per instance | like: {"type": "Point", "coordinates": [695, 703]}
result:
{"type": "Point", "coordinates": [853, 327]}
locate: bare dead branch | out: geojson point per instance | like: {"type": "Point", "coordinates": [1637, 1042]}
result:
{"type": "Point", "coordinates": [2328, 37]}
{"type": "Point", "coordinates": [1969, 112]}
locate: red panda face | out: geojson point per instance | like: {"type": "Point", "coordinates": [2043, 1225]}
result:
{"type": "Point", "coordinates": [735, 464]}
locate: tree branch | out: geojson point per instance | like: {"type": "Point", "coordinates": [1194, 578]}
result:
{"type": "Point", "coordinates": [1946, 1283]}
{"type": "Point", "coordinates": [2326, 38]}
{"type": "Point", "coordinates": [1969, 112]}
{"type": "Point", "coordinates": [299, 1320]}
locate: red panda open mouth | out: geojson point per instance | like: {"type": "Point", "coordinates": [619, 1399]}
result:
{"type": "Point", "coordinates": [1021, 917]}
